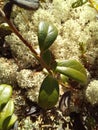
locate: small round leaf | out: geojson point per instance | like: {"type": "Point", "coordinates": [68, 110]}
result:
{"type": "Point", "coordinates": [49, 93]}
{"type": "Point", "coordinates": [72, 73]}
{"type": "Point", "coordinates": [47, 34]}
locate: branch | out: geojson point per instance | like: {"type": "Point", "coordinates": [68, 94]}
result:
{"type": "Point", "coordinates": [13, 28]}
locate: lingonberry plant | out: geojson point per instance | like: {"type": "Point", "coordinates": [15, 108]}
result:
{"type": "Point", "coordinates": [58, 72]}
{"type": "Point", "coordinates": [71, 69]}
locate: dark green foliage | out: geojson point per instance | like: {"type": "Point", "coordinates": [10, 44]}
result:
{"type": "Point", "coordinates": [73, 69]}
{"type": "Point", "coordinates": [49, 93]}
{"type": "Point", "coordinates": [47, 34]}
{"type": "Point", "coordinates": [47, 57]}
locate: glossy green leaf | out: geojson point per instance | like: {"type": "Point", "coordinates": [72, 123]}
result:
{"type": "Point", "coordinates": [9, 122]}
{"type": "Point", "coordinates": [74, 64]}
{"type": "Point", "coordinates": [5, 93]}
{"type": "Point", "coordinates": [7, 112]}
{"type": "Point", "coordinates": [49, 93]}
{"type": "Point", "coordinates": [47, 34]}
{"type": "Point", "coordinates": [72, 73]}
{"type": "Point", "coordinates": [47, 57]}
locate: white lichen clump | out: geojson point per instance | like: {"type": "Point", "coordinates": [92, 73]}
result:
{"type": "Point", "coordinates": [8, 69]}
{"type": "Point", "coordinates": [92, 92]}
{"type": "Point", "coordinates": [22, 54]}
{"type": "Point", "coordinates": [25, 78]}
{"type": "Point", "coordinates": [31, 81]}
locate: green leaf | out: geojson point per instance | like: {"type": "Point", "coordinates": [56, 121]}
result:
{"type": "Point", "coordinates": [72, 73]}
{"type": "Point", "coordinates": [73, 69]}
{"type": "Point", "coordinates": [5, 93]}
{"type": "Point", "coordinates": [9, 122]}
{"type": "Point", "coordinates": [7, 112]}
{"type": "Point", "coordinates": [5, 123]}
{"type": "Point", "coordinates": [47, 34]}
{"type": "Point", "coordinates": [72, 63]}
{"type": "Point", "coordinates": [47, 57]}
{"type": "Point", "coordinates": [49, 93]}
{"type": "Point", "coordinates": [79, 3]}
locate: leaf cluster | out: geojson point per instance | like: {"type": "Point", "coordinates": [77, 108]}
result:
{"type": "Point", "coordinates": [7, 116]}
{"type": "Point", "coordinates": [67, 69]}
